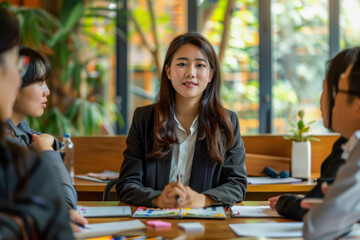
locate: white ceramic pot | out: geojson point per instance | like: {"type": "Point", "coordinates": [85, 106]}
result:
{"type": "Point", "coordinates": [301, 159]}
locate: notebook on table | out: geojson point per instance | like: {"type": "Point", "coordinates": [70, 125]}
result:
{"type": "Point", "coordinates": [113, 211]}
{"type": "Point", "coordinates": [217, 212]}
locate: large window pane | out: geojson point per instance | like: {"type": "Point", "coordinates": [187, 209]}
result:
{"type": "Point", "coordinates": [349, 23]}
{"type": "Point", "coordinates": [145, 59]}
{"type": "Point", "coordinates": [300, 51]}
{"type": "Point", "coordinates": [240, 65]}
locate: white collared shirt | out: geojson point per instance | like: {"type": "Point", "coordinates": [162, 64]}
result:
{"type": "Point", "coordinates": [349, 145]}
{"type": "Point", "coordinates": [183, 152]}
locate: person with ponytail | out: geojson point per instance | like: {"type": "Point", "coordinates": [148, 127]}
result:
{"type": "Point", "coordinates": [31, 201]}
{"type": "Point", "coordinates": [185, 150]}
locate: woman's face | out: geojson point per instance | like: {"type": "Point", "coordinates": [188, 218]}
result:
{"type": "Point", "coordinates": [32, 99]}
{"type": "Point", "coordinates": [9, 82]}
{"type": "Point", "coordinates": [324, 104]}
{"type": "Point", "coordinates": [189, 72]}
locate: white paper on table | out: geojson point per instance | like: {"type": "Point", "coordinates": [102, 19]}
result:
{"type": "Point", "coordinates": [355, 232]}
{"type": "Point", "coordinates": [110, 228]}
{"type": "Point", "coordinates": [283, 229]}
{"type": "Point", "coordinates": [253, 211]}
{"type": "Point", "coordinates": [86, 177]}
{"type": "Point", "coordinates": [269, 180]}
{"type": "Point", "coordinates": [103, 177]}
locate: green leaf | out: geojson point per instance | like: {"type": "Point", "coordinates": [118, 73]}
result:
{"type": "Point", "coordinates": [69, 24]}
{"type": "Point", "coordinates": [66, 7]}
{"type": "Point", "coordinates": [99, 38]}
{"type": "Point", "coordinates": [77, 75]}
{"type": "Point", "coordinates": [311, 122]}
{"type": "Point", "coordinates": [5, 4]}
{"type": "Point", "coordinates": [98, 15]}
{"type": "Point", "coordinates": [301, 114]}
{"type": "Point", "coordinates": [301, 124]}
{"type": "Point", "coordinates": [74, 109]}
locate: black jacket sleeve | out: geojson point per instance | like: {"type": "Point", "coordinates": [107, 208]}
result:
{"type": "Point", "coordinates": [288, 205]}
{"type": "Point", "coordinates": [131, 187]}
{"type": "Point", "coordinates": [40, 201]}
{"type": "Point", "coordinates": [233, 177]}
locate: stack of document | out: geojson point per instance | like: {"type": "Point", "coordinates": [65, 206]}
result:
{"type": "Point", "coordinates": [104, 177]}
{"type": "Point", "coordinates": [273, 230]}
{"type": "Point", "coordinates": [269, 180]}
{"type": "Point", "coordinates": [110, 228]}
{"type": "Point", "coordinates": [253, 211]}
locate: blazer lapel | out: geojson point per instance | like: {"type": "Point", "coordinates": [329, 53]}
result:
{"type": "Point", "coordinates": [163, 171]}
{"type": "Point", "coordinates": [200, 168]}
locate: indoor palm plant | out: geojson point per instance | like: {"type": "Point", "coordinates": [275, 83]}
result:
{"type": "Point", "coordinates": [78, 102]}
{"type": "Point", "coordinates": [301, 147]}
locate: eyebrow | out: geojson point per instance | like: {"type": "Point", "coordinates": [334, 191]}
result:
{"type": "Point", "coordinates": [196, 59]}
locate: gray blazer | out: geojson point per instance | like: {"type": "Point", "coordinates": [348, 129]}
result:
{"type": "Point", "coordinates": [22, 136]}
{"type": "Point", "coordinates": [340, 210]}
{"type": "Point", "coordinates": [142, 179]}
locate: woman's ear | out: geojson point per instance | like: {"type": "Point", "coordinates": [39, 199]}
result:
{"type": "Point", "coordinates": [167, 69]}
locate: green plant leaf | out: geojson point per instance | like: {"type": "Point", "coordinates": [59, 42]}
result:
{"type": "Point", "coordinates": [300, 124]}
{"type": "Point", "coordinates": [301, 114]}
{"type": "Point", "coordinates": [73, 18]}
{"type": "Point", "coordinates": [311, 122]}
{"type": "Point", "coordinates": [74, 109]}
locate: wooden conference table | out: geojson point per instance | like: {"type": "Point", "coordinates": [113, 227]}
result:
{"type": "Point", "coordinates": [214, 228]}
{"type": "Point", "coordinates": [92, 191]}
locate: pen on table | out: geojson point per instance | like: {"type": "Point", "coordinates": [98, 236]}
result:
{"type": "Point", "coordinates": [79, 224]}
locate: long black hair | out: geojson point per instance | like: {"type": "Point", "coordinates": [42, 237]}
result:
{"type": "Point", "coordinates": [214, 123]}
{"type": "Point", "coordinates": [38, 69]}
{"type": "Point", "coordinates": [335, 67]}
{"type": "Point", "coordinates": [11, 153]}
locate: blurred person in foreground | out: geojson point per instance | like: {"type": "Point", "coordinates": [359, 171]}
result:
{"type": "Point", "coordinates": [288, 205]}
{"type": "Point", "coordinates": [340, 209]}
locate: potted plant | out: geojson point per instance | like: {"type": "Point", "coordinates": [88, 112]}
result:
{"type": "Point", "coordinates": [301, 147]}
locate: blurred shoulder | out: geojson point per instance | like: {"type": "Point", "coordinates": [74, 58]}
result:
{"type": "Point", "coordinates": [144, 113]}
{"type": "Point", "coordinates": [232, 115]}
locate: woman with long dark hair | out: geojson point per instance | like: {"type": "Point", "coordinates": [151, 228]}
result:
{"type": "Point", "coordinates": [31, 204]}
{"type": "Point", "coordinates": [186, 149]}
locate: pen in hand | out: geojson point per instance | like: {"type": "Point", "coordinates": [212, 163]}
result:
{"type": "Point", "coordinates": [178, 179]}
{"type": "Point", "coordinates": [79, 224]}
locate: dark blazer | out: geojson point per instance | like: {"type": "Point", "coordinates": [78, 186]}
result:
{"type": "Point", "coordinates": [22, 135]}
{"type": "Point", "coordinates": [41, 202]}
{"type": "Point", "coordinates": [288, 205]}
{"type": "Point", "coordinates": [142, 179]}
